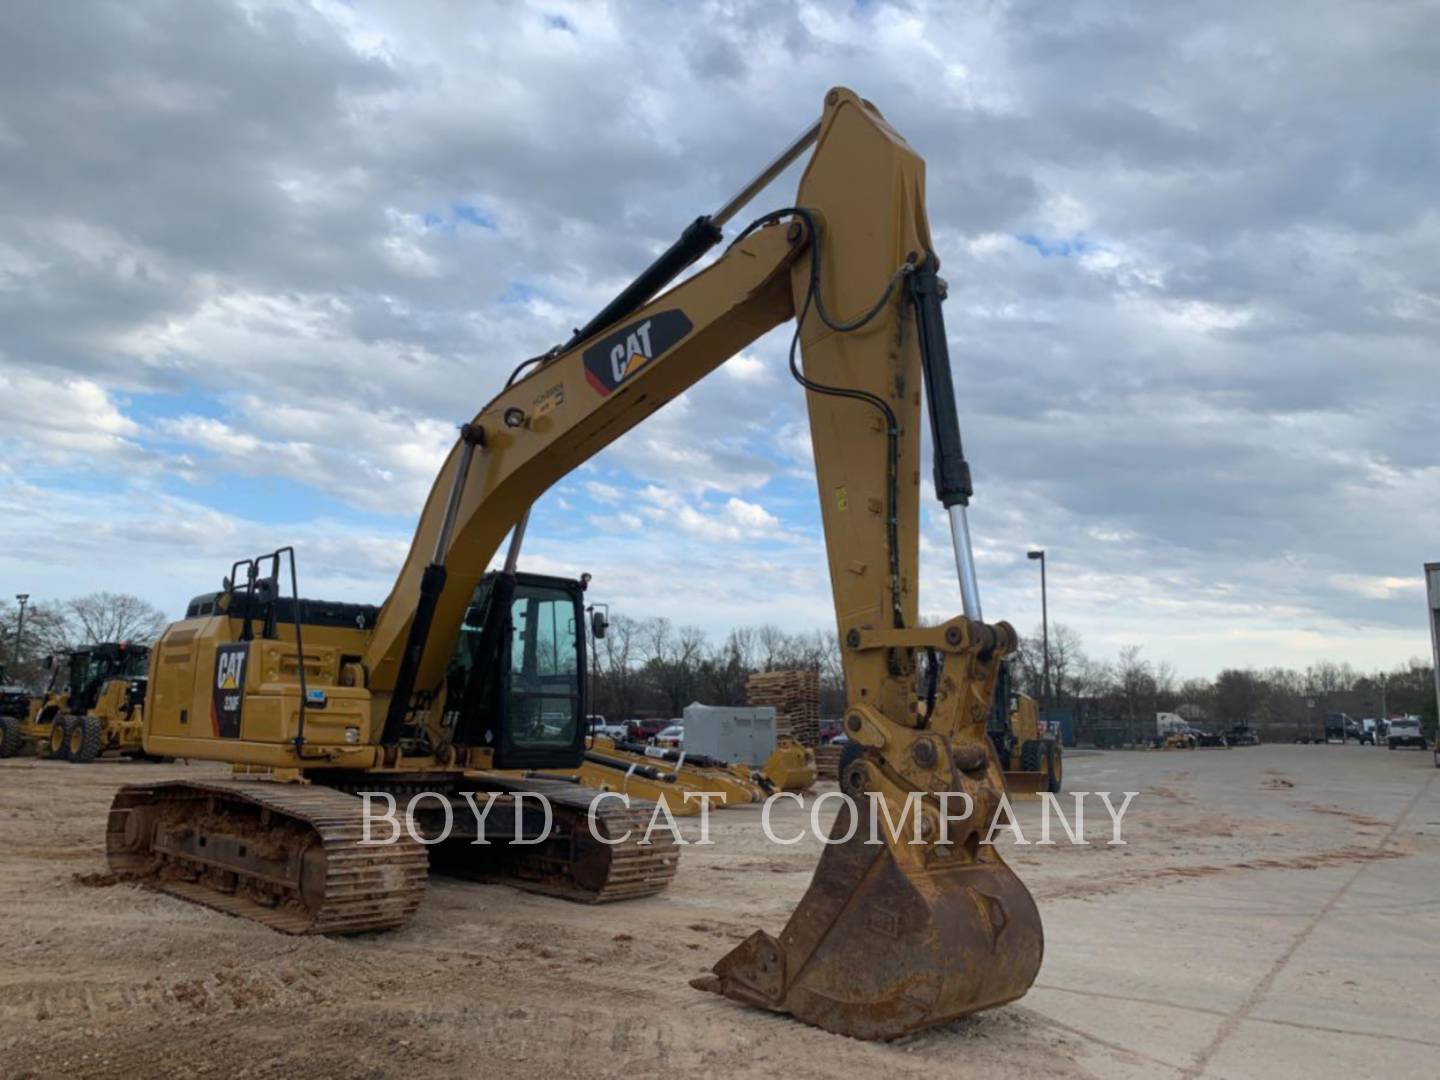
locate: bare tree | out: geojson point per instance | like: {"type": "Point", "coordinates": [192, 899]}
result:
{"type": "Point", "coordinates": [1165, 678]}
{"type": "Point", "coordinates": [1067, 659]}
{"type": "Point", "coordinates": [615, 684]}
{"type": "Point", "coordinates": [772, 644]}
{"type": "Point", "coordinates": [1237, 696]}
{"type": "Point", "coordinates": [1135, 683]}
{"type": "Point", "coordinates": [107, 616]}
{"type": "Point", "coordinates": [47, 632]}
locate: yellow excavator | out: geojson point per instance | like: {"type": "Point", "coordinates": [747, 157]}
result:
{"type": "Point", "coordinates": [465, 674]}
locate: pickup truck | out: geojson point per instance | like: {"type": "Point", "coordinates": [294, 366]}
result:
{"type": "Point", "coordinates": [1405, 731]}
{"type": "Point", "coordinates": [1340, 728]}
{"type": "Point", "coordinates": [596, 725]}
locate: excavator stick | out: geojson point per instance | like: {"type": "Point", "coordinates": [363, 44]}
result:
{"type": "Point", "coordinates": [898, 931]}
{"type": "Point", "coordinates": [877, 950]}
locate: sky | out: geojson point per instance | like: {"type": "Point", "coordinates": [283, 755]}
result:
{"type": "Point", "coordinates": [258, 260]}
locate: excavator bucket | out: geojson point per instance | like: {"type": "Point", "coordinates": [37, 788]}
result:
{"type": "Point", "coordinates": [882, 945]}
{"type": "Point", "coordinates": [1026, 785]}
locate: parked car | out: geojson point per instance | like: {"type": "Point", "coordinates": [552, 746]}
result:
{"type": "Point", "coordinates": [674, 735]}
{"type": "Point", "coordinates": [1243, 735]}
{"type": "Point", "coordinates": [645, 730]}
{"type": "Point", "coordinates": [599, 726]}
{"type": "Point", "coordinates": [1405, 731]}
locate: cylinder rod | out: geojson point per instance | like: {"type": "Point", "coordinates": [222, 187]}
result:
{"type": "Point", "coordinates": [432, 584]}
{"type": "Point", "coordinates": [517, 537]}
{"type": "Point", "coordinates": [952, 472]}
{"type": "Point", "coordinates": [452, 504]}
{"type": "Point", "coordinates": [965, 562]}
{"type": "Point", "coordinates": [765, 175]}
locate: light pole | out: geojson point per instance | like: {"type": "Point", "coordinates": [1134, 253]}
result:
{"type": "Point", "coordinates": [24, 599]}
{"type": "Point", "coordinates": [1044, 626]}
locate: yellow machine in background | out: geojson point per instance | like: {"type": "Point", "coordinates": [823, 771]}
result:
{"type": "Point", "coordinates": [1031, 757]}
{"type": "Point", "coordinates": [791, 767]}
{"type": "Point", "coordinates": [101, 710]}
{"type": "Point", "coordinates": [733, 785]}
{"type": "Point", "coordinates": [465, 676]}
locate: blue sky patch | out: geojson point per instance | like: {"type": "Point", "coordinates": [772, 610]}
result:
{"type": "Point", "coordinates": [1065, 247]}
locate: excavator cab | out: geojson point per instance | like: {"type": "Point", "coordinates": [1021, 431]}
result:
{"type": "Point", "coordinates": [518, 671]}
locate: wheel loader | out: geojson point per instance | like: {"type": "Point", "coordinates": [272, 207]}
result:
{"type": "Point", "coordinates": [466, 675]}
{"type": "Point", "coordinates": [1031, 758]}
{"type": "Point", "coordinates": [100, 711]}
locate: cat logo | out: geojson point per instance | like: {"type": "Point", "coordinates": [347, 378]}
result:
{"type": "Point", "coordinates": [228, 697]}
{"type": "Point", "coordinates": [229, 668]}
{"type": "Point", "coordinates": [618, 356]}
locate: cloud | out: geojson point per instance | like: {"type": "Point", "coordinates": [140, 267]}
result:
{"type": "Point", "coordinates": [285, 249]}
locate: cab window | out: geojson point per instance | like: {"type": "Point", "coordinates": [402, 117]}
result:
{"type": "Point", "coordinates": [544, 692]}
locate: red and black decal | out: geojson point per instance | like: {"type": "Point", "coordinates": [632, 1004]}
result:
{"type": "Point", "coordinates": [229, 690]}
{"type": "Point", "coordinates": [617, 356]}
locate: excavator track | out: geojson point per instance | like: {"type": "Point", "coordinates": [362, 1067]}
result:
{"type": "Point", "coordinates": [574, 865]}
{"type": "Point", "coordinates": [570, 863]}
{"type": "Point", "coordinates": [285, 855]}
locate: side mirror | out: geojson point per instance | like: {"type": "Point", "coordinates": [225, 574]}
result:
{"type": "Point", "coordinates": [50, 662]}
{"type": "Point", "coordinates": [226, 585]}
{"type": "Point", "coordinates": [474, 617]}
{"type": "Point", "coordinates": [599, 624]}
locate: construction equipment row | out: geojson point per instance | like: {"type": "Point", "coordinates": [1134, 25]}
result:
{"type": "Point", "coordinates": [99, 710]}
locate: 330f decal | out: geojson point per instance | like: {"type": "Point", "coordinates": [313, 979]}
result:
{"type": "Point", "coordinates": [616, 357]}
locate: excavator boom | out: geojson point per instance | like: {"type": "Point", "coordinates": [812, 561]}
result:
{"type": "Point", "coordinates": [890, 937]}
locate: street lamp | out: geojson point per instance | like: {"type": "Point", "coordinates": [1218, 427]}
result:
{"type": "Point", "coordinates": [1044, 624]}
{"type": "Point", "coordinates": [24, 599]}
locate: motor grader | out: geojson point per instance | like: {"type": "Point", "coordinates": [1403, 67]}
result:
{"type": "Point", "coordinates": [99, 710]}
{"type": "Point", "coordinates": [465, 675]}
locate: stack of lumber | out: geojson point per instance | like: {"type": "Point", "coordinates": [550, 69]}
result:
{"type": "Point", "coordinates": [795, 697]}
{"type": "Point", "coordinates": [827, 761]}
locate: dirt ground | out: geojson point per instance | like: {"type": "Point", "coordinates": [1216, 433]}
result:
{"type": "Point", "coordinates": [1274, 913]}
